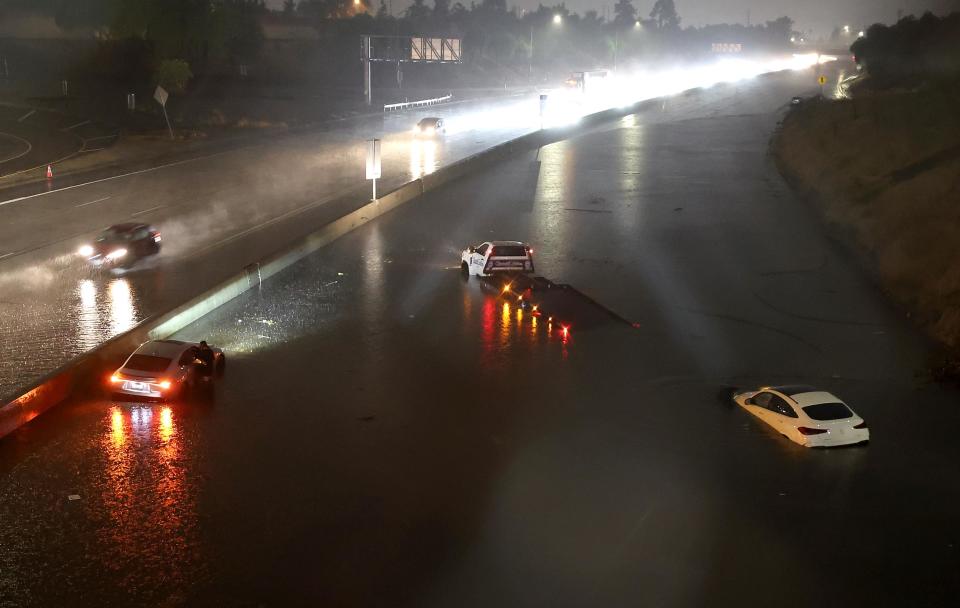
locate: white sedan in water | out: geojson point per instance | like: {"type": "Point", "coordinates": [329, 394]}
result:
{"type": "Point", "coordinates": [805, 415]}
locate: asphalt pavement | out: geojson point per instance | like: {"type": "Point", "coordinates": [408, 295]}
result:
{"type": "Point", "coordinates": [389, 433]}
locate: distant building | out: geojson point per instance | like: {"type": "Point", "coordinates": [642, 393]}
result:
{"type": "Point", "coordinates": [286, 28]}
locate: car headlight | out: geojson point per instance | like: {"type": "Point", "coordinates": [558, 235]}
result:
{"type": "Point", "coordinates": [116, 254]}
{"type": "Point", "coordinates": [86, 251]}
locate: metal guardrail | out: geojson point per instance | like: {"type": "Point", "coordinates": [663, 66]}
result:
{"type": "Point", "coordinates": [421, 103]}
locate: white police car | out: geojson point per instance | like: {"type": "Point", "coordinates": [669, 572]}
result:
{"type": "Point", "coordinates": [497, 257]}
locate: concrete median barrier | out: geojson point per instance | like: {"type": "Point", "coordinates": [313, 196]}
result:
{"type": "Point", "coordinates": [89, 370]}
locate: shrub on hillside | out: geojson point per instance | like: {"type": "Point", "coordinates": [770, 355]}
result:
{"type": "Point", "coordinates": [173, 75]}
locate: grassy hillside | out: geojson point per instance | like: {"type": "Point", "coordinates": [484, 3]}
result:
{"type": "Point", "coordinates": [886, 167]}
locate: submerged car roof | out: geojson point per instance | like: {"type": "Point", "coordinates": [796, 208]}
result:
{"type": "Point", "coordinates": [815, 397]}
{"type": "Point", "coordinates": [163, 348]}
{"type": "Point", "coordinates": [793, 389]}
{"type": "Point", "coordinates": [505, 243]}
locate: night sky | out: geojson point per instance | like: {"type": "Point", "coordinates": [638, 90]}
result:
{"type": "Point", "coordinates": [819, 15]}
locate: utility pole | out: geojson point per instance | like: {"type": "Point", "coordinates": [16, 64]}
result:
{"type": "Point", "coordinates": [366, 70]}
{"type": "Point", "coordinates": [616, 46]}
{"type": "Point", "coordinates": [530, 58]}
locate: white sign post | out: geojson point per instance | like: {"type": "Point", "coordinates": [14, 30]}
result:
{"type": "Point", "coordinates": [373, 163]}
{"type": "Point", "coordinates": [161, 96]}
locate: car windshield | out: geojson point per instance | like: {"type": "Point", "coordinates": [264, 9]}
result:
{"type": "Point", "coordinates": [828, 411]}
{"type": "Point", "coordinates": [510, 251]}
{"type": "Point", "coordinates": [112, 236]}
{"type": "Point", "coordinates": [147, 363]}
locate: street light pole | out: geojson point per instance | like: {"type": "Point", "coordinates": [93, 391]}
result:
{"type": "Point", "coordinates": [530, 58]}
{"type": "Point", "coordinates": [616, 46]}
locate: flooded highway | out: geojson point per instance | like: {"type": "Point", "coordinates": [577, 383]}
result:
{"type": "Point", "coordinates": [389, 433]}
{"type": "Point", "coordinates": [221, 212]}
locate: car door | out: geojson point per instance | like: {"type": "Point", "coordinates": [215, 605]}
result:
{"type": "Point", "coordinates": [479, 257]}
{"type": "Point", "coordinates": [139, 243]}
{"type": "Point", "coordinates": [782, 415]}
{"type": "Point", "coordinates": [758, 404]}
{"type": "Point", "coordinates": [187, 365]}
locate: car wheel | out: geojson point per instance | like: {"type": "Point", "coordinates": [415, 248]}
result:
{"type": "Point", "coordinates": [221, 366]}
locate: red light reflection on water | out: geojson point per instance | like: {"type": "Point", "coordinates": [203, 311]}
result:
{"type": "Point", "coordinates": [150, 508]}
{"type": "Point", "coordinates": [519, 321]}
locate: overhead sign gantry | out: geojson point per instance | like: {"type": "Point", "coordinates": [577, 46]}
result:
{"type": "Point", "coordinates": [405, 49]}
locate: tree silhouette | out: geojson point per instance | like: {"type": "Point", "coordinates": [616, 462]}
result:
{"type": "Point", "coordinates": [625, 13]}
{"type": "Point", "coordinates": [664, 15]}
{"type": "Point", "coordinates": [417, 12]}
{"type": "Point", "coordinates": [441, 9]}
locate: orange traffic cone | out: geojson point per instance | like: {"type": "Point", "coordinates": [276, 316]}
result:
{"type": "Point", "coordinates": [49, 172]}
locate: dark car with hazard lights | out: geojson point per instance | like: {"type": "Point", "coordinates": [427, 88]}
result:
{"type": "Point", "coordinates": [122, 245]}
{"type": "Point", "coordinates": [497, 257]}
{"type": "Point", "coordinates": [166, 370]}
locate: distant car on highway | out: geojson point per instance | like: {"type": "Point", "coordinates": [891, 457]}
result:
{"type": "Point", "coordinates": [122, 245]}
{"type": "Point", "coordinates": [805, 415]}
{"type": "Point", "coordinates": [165, 370]}
{"type": "Point", "coordinates": [497, 257]}
{"type": "Point", "coordinates": [795, 101]}
{"type": "Point", "coordinates": [430, 127]}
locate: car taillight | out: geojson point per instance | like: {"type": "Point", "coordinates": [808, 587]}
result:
{"type": "Point", "coordinates": [491, 251]}
{"type": "Point", "coordinates": [808, 431]}
{"type": "Point", "coordinates": [164, 384]}
{"type": "Point", "coordinates": [862, 425]}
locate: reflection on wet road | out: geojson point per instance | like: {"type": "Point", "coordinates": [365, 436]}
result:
{"type": "Point", "coordinates": [117, 503]}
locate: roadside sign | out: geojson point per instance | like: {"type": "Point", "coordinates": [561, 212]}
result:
{"type": "Point", "coordinates": [822, 80]}
{"type": "Point", "coordinates": [373, 163]}
{"type": "Point", "coordinates": [161, 96]}
{"type": "Point", "coordinates": [373, 159]}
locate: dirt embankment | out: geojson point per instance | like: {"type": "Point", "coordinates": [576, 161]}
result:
{"type": "Point", "coordinates": [885, 167]}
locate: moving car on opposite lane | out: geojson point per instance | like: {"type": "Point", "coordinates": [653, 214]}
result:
{"type": "Point", "coordinates": [430, 127]}
{"type": "Point", "coordinates": [122, 245]}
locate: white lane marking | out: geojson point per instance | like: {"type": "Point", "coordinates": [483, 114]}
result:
{"type": "Point", "coordinates": [79, 124]}
{"type": "Point", "coordinates": [7, 255]}
{"type": "Point", "coordinates": [92, 202]}
{"type": "Point", "coordinates": [26, 116]}
{"type": "Point", "coordinates": [111, 178]}
{"type": "Point", "coordinates": [16, 156]}
{"type": "Point", "coordinates": [145, 211]}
